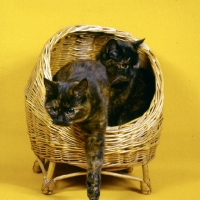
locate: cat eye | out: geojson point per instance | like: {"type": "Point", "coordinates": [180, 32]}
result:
{"type": "Point", "coordinates": [127, 66]}
{"type": "Point", "coordinates": [70, 110]}
{"type": "Point", "coordinates": [54, 109]}
{"type": "Point", "coordinates": [124, 66]}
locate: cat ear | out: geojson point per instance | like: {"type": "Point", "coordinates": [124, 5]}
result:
{"type": "Point", "coordinates": [82, 85]}
{"type": "Point", "coordinates": [137, 43]}
{"type": "Point", "coordinates": [51, 87]}
{"type": "Point", "coordinates": [112, 48]}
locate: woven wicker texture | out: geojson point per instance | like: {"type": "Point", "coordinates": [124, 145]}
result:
{"type": "Point", "coordinates": [133, 143]}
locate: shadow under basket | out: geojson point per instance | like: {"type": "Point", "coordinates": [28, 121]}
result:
{"type": "Point", "coordinates": [126, 146]}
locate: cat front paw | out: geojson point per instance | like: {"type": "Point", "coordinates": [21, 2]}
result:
{"type": "Point", "coordinates": [93, 186]}
{"type": "Point", "coordinates": [93, 191]}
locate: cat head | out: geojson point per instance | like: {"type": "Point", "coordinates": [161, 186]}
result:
{"type": "Point", "coordinates": [120, 58]}
{"type": "Point", "coordinates": [66, 102]}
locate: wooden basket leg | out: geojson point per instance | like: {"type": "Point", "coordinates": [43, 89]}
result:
{"type": "Point", "coordinates": [36, 166]}
{"type": "Point", "coordinates": [145, 184]}
{"type": "Point", "coordinates": [49, 182]}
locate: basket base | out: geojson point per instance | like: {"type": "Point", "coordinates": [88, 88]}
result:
{"type": "Point", "coordinates": [49, 181]}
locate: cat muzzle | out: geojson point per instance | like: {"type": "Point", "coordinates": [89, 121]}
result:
{"type": "Point", "coordinates": [62, 121]}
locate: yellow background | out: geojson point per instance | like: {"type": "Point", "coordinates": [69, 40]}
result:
{"type": "Point", "coordinates": [171, 29]}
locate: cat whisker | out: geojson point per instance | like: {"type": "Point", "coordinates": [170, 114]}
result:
{"type": "Point", "coordinates": [139, 79]}
{"type": "Point", "coordinates": [116, 79]}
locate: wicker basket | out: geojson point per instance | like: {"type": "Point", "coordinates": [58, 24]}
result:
{"type": "Point", "coordinates": [131, 144]}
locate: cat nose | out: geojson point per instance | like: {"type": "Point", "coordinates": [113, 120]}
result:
{"type": "Point", "coordinates": [131, 72]}
{"type": "Point", "coordinates": [60, 119]}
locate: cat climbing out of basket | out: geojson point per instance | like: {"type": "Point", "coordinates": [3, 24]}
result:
{"type": "Point", "coordinates": [79, 94]}
{"type": "Point", "coordinates": [131, 78]}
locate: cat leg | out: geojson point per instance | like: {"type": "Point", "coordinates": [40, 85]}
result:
{"type": "Point", "coordinates": [145, 184]}
{"type": "Point", "coordinates": [49, 183]}
{"type": "Point", "coordinates": [94, 154]}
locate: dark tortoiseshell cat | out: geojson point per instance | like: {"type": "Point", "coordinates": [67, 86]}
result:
{"type": "Point", "coordinates": [79, 94]}
{"type": "Point", "coordinates": [131, 78]}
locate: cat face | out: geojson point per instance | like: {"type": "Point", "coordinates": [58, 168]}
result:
{"type": "Point", "coordinates": [67, 102]}
{"type": "Point", "coordinates": [120, 59]}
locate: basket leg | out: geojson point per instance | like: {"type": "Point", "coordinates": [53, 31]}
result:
{"type": "Point", "coordinates": [48, 182]}
{"type": "Point", "coordinates": [145, 184]}
{"type": "Point", "coordinates": [36, 167]}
